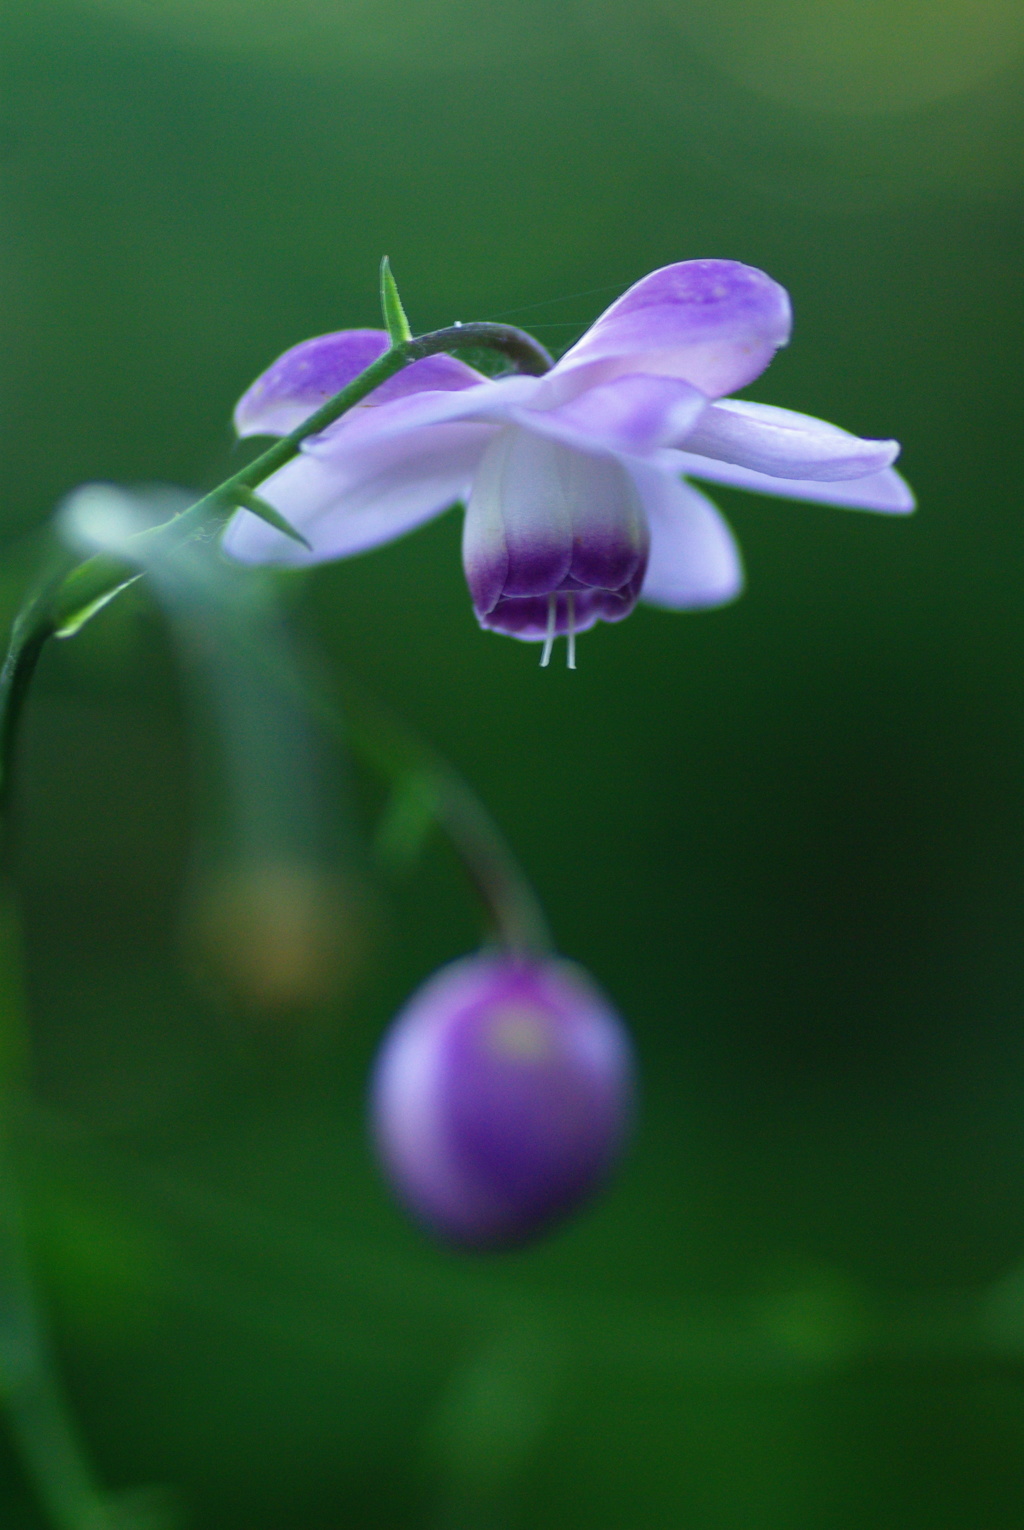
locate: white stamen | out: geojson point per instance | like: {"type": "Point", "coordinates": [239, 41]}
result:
{"type": "Point", "coordinates": [570, 601]}
{"type": "Point", "coordinates": [549, 639]}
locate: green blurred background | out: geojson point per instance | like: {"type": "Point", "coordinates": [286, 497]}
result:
{"type": "Point", "coordinates": [788, 837]}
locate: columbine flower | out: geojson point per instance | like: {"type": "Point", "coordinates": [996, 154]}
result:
{"type": "Point", "coordinates": [501, 1097]}
{"type": "Point", "coordinates": [573, 482]}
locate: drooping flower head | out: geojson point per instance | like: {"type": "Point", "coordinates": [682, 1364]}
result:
{"type": "Point", "coordinates": [501, 1097]}
{"type": "Point", "coordinates": [576, 501]}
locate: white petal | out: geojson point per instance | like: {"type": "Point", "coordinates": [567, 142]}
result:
{"type": "Point", "coordinates": [541, 512]}
{"type": "Point", "coordinates": [486, 402]}
{"type": "Point", "coordinates": [362, 498]}
{"type": "Point", "coordinates": [694, 561]}
{"type": "Point", "coordinates": [517, 499]}
{"type": "Point", "coordinates": [633, 415]}
{"type": "Point", "coordinates": [885, 491]}
{"type": "Point", "coordinates": [783, 443]}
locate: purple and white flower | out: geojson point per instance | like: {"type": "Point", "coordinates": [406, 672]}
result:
{"type": "Point", "coordinates": [501, 1097]}
{"type": "Point", "coordinates": [574, 482]}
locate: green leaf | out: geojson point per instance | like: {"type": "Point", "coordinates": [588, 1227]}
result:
{"type": "Point", "coordinates": [74, 623]}
{"type": "Point", "coordinates": [396, 323]}
{"type": "Point", "coordinates": [250, 501]}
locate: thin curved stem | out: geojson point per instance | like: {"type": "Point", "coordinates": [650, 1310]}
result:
{"type": "Point", "coordinates": [15, 679]}
{"type": "Point", "coordinates": [527, 354]}
{"type": "Point", "coordinates": [401, 756]}
{"type": "Point", "coordinates": [30, 1389]}
{"type": "Point", "coordinates": [37, 1410]}
{"type": "Point", "coordinates": [413, 767]}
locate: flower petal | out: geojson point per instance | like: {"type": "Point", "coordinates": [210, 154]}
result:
{"type": "Point", "coordinates": [543, 519]}
{"type": "Point", "coordinates": [369, 496]}
{"type": "Point", "coordinates": [784, 444]}
{"type": "Point", "coordinates": [694, 561]}
{"type": "Point", "coordinates": [632, 415]}
{"type": "Point", "coordinates": [483, 403]}
{"type": "Point", "coordinates": [308, 374]}
{"type": "Point", "coordinates": [885, 491]}
{"type": "Point", "coordinates": [713, 323]}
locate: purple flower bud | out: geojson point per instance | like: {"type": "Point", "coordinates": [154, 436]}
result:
{"type": "Point", "coordinates": [501, 1097]}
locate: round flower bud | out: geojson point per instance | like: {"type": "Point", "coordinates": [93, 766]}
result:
{"type": "Point", "coordinates": [501, 1097]}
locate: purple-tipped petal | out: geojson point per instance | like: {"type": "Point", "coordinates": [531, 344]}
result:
{"type": "Point", "coordinates": [694, 561]}
{"type": "Point", "coordinates": [303, 378]}
{"type": "Point", "coordinates": [783, 443]}
{"type": "Point", "coordinates": [713, 323]}
{"type": "Point", "coordinates": [544, 519]}
{"type": "Point", "coordinates": [501, 1098]}
{"type": "Point", "coordinates": [529, 618]}
{"type": "Point", "coordinates": [633, 415]}
{"type": "Point", "coordinates": [886, 491]}
{"type": "Point", "coordinates": [363, 498]}
{"type": "Point", "coordinates": [308, 374]}
{"type": "Point", "coordinates": [517, 537]}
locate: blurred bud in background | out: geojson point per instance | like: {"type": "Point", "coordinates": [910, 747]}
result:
{"type": "Point", "coordinates": [272, 917]}
{"type": "Point", "coordinates": [275, 935]}
{"type": "Point", "coordinates": [501, 1097]}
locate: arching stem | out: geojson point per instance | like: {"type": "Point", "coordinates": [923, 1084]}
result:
{"type": "Point", "coordinates": [30, 1390]}
{"type": "Point", "coordinates": [77, 592]}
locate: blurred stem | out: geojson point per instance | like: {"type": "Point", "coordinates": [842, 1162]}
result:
{"type": "Point", "coordinates": [31, 628]}
{"type": "Point", "coordinates": [404, 759]}
{"type": "Point", "coordinates": [31, 1394]}
{"type": "Point", "coordinates": [433, 788]}
{"type": "Point", "coordinates": [66, 594]}
{"type": "Point", "coordinates": [40, 1421]}
{"type": "Point", "coordinates": [30, 1389]}
{"type": "Point", "coordinates": [15, 679]}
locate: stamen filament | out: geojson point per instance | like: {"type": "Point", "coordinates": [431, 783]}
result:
{"type": "Point", "coordinates": [570, 601]}
{"type": "Point", "coordinates": [549, 639]}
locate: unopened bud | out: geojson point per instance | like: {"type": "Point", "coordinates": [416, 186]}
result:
{"type": "Point", "coordinates": [501, 1097]}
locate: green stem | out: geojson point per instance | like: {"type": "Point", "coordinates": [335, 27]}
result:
{"type": "Point", "coordinates": [30, 1389]}
{"type": "Point", "coordinates": [15, 679]}
{"type": "Point", "coordinates": [516, 344]}
{"type": "Point", "coordinates": [40, 1421]}
{"type": "Point", "coordinates": [398, 754]}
